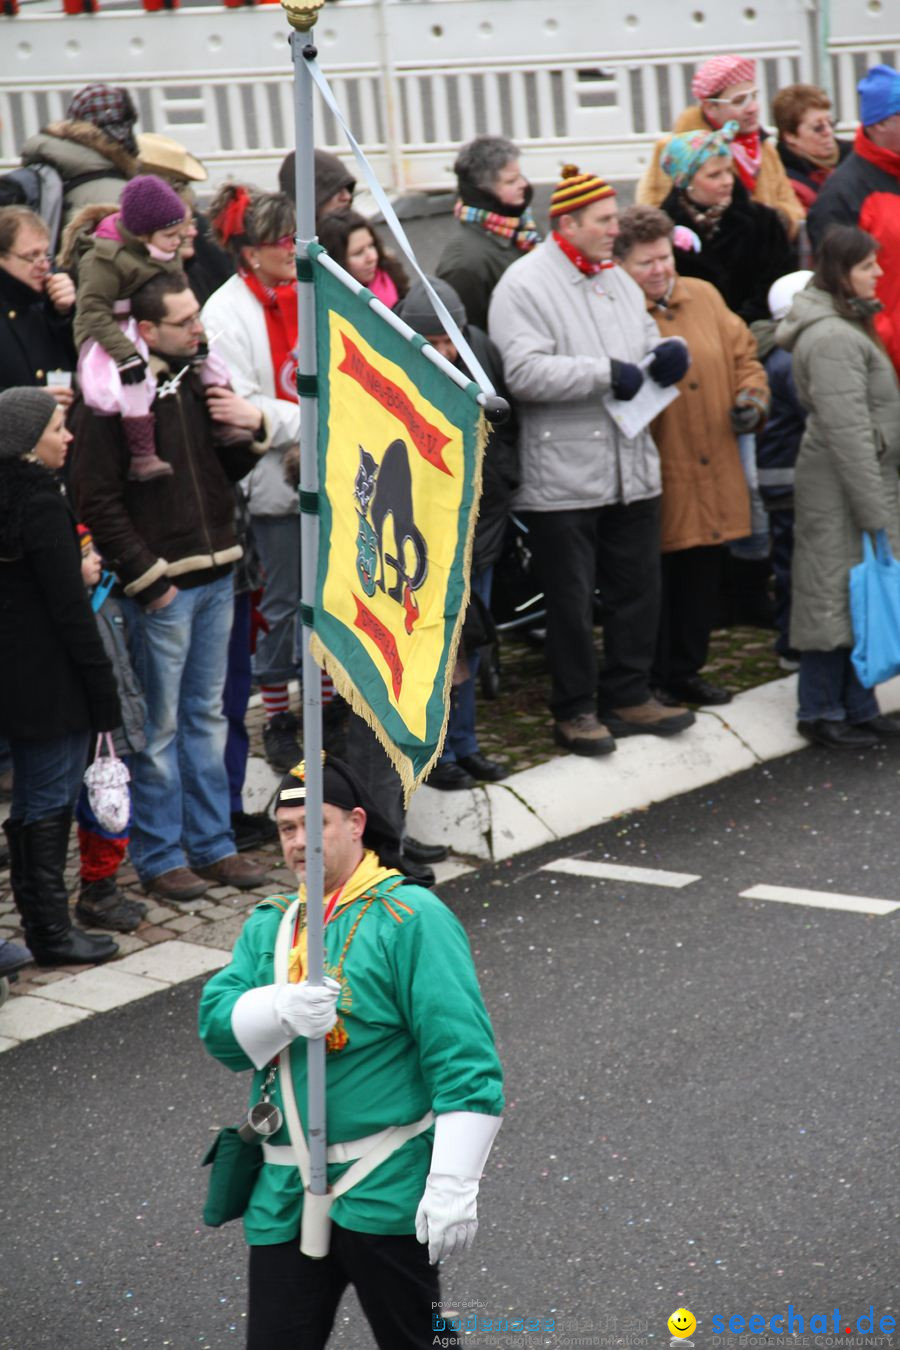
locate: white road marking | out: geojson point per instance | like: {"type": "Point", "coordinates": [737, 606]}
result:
{"type": "Point", "coordinates": [791, 895]}
{"type": "Point", "coordinates": [644, 876]}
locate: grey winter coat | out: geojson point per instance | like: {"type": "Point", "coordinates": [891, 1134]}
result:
{"type": "Point", "coordinates": [93, 166]}
{"type": "Point", "coordinates": [130, 737]}
{"type": "Point", "coordinates": [846, 475]}
{"type": "Point", "coordinates": [557, 331]}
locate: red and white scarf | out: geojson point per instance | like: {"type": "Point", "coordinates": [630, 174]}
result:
{"type": "Point", "coordinates": [279, 304]}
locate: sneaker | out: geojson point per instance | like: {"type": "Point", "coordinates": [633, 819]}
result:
{"type": "Point", "coordinates": [788, 664]}
{"type": "Point", "coordinates": [649, 719]}
{"type": "Point", "coordinates": [280, 742]}
{"type": "Point", "coordinates": [584, 734]}
{"type": "Point", "coordinates": [233, 870]}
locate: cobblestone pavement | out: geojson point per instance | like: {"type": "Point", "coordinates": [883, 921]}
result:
{"type": "Point", "coordinates": [515, 727]}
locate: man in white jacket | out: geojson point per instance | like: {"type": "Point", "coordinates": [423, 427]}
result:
{"type": "Point", "coordinates": [572, 328]}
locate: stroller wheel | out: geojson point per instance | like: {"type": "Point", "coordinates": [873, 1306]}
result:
{"type": "Point", "coordinates": [490, 671]}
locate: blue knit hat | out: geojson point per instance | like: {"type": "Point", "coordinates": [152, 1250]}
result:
{"type": "Point", "coordinates": [879, 94]}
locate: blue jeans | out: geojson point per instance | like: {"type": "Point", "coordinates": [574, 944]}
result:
{"type": "Point", "coordinates": [236, 698]}
{"type": "Point", "coordinates": [47, 776]}
{"type": "Point", "coordinates": [277, 538]}
{"type": "Point", "coordinates": [461, 739]}
{"type": "Point", "coordinates": [828, 689]}
{"type": "Point", "coordinates": [179, 782]}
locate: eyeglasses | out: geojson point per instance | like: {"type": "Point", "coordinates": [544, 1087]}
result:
{"type": "Point", "coordinates": [286, 241]}
{"type": "Point", "coordinates": [32, 258]}
{"type": "Point", "coordinates": [821, 127]}
{"type": "Point", "coordinates": [185, 325]}
{"type": "Point", "coordinates": [739, 101]}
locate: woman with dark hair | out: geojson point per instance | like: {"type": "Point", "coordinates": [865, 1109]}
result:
{"type": "Point", "coordinates": [494, 223]}
{"type": "Point", "coordinates": [846, 480]}
{"type": "Point", "coordinates": [56, 683]}
{"type": "Point", "coordinates": [741, 246]}
{"type": "Point", "coordinates": [355, 246]}
{"type": "Point", "coordinates": [253, 318]}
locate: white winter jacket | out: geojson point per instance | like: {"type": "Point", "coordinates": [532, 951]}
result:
{"type": "Point", "coordinates": [235, 318]}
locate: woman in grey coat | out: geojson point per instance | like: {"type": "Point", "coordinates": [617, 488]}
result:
{"type": "Point", "coordinates": [846, 480]}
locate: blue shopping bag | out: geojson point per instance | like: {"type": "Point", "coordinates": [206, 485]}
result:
{"type": "Point", "coordinates": [875, 612]}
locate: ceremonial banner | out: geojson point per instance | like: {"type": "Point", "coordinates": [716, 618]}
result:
{"type": "Point", "coordinates": [399, 454]}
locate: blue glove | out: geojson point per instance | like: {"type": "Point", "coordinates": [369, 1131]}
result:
{"type": "Point", "coordinates": [625, 379]}
{"type": "Point", "coordinates": [670, 361]}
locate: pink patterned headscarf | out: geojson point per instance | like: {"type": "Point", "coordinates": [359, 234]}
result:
{"type": "Point", "coordinates": [719, 73]}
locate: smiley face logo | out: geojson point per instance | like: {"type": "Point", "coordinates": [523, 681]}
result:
{"type": "Point", "coordinates": [682, 1322]}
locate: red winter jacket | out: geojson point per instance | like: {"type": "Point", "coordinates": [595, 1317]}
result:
{"type": "Point", "coordinates": [865, 191]}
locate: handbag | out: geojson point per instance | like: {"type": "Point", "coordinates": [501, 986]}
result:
{"type": "Point", "coordinates": [234, 1170]}
{"type": "Point", "coordinates": [236, 1155]}
{"type": "Point", "coordinates": [107, 782]}
{"type": "Point", "coordinates": [875, 612]}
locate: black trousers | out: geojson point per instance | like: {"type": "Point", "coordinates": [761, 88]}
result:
{"type": "Point", "coordinates": [614, 549]}
{"type": "Point", "coordinates": [293, 1298]}
{"type": "Point", "coordinates": [691, 584]}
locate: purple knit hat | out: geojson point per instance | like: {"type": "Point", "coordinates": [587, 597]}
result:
{"type": "Point", "coordinates": [148, 204]}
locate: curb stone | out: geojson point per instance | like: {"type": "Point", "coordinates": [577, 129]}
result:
{"type": "Point", "coordinates": [550, 801]}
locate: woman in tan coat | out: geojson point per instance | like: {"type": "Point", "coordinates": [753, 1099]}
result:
{"type": "Point", "coordinates": [705, 502]}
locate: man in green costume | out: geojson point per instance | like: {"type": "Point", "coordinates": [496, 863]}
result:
{"type": "Point", "coordinates": [409, 1045]}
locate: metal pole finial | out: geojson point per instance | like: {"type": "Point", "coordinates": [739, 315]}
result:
{"type": "Point", "coordinates": [302, 14]}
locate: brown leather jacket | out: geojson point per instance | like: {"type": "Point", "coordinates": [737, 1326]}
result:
{"type": "Point", "coordinates": [173, 530]}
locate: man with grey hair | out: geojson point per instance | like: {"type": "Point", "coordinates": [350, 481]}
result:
{"type": "Point", "coordinates": [494, 225]}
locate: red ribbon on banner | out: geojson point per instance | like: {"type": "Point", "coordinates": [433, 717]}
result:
{"type": "Point", "coordinates": [427, 439]}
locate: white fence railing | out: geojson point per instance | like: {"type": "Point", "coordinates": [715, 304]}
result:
{"type": "Point", "coordinates": [589, 80]}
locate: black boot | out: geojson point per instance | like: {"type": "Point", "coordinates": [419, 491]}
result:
{"type": "Point", "coordinates": [43, 901]}
{"type": "Point", "coordinates": [102, 905]}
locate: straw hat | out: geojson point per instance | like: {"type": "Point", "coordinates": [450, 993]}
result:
{"type": "Point", "coordinates": [162, 155]}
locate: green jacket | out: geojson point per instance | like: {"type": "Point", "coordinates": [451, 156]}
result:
{"type": "Point", "coordinates": [111, 270]}
{"type": "Point", "coordinates": [418, 1038]}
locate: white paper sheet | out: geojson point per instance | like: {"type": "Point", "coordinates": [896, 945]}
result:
{"type": "Point", "coordinates": [632, 415]}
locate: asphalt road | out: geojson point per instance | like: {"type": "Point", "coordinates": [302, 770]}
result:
{"type": "Point", "coordinates": [702, 1098]}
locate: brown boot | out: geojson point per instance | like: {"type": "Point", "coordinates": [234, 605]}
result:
{"type": "Point", "coordinates": [584, 734]}
{"type": "Point", "coordinates": [649, 719]}
{"type": "Point", "coordinates": [145, 462]}
{"type": "Point", "coordinates": [234, 870]}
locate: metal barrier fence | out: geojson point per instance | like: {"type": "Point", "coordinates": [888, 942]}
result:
{"type": "Point", "coordinates": [579, 80]}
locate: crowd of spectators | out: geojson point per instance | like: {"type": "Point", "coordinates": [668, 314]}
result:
{"type": "Point", "coordinates": [757, 278]}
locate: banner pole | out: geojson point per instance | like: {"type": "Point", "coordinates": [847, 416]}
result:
{"type": "Point", "coordinates": [302, 19]}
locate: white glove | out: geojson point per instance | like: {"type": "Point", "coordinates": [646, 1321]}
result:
{"type": "Point", "coordinates": [447, 1217]}
{"type": "Point", "coordinates": [307, 1009]}
{"type": "Point", "coordinates": [266, 1019]}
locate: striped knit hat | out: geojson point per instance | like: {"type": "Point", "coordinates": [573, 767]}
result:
{"type": "Point", "coordinates": [575, 190]}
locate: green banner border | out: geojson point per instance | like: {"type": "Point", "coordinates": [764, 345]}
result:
{"type": "Point", "coordinates": [458, 405]}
